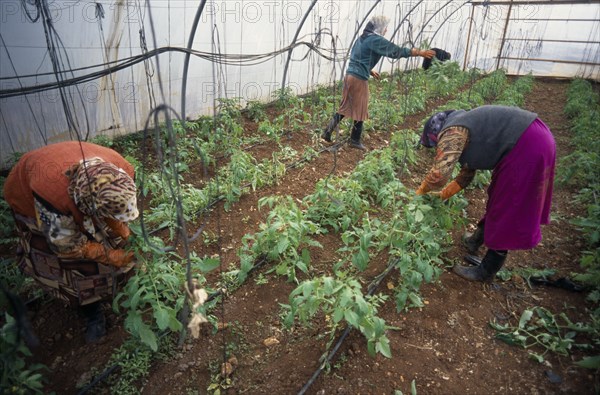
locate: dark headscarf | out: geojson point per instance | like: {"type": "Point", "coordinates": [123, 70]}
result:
{"type": "Point", "coordinates": [433, 127]}
{"type": "Point", "coordinates": [369, 29]}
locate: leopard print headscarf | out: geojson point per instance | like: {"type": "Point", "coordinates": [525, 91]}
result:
{"type": "Point", "coordinates": [100, 189]}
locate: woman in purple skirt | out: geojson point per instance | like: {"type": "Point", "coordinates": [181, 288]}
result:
{"type": "Point", "coordinates": [520, 150]}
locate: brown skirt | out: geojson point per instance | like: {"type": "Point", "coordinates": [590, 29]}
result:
{"type": "Point", "coordinates": [355, 98]}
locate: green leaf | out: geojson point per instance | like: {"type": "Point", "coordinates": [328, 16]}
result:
{"type": "Point", "coordinates": [162, 318]}
{"type": "Point", "coordinates": [361, 260]}
{"type": "Point", "coordinates": [415, 299]}
{"type": "Point", "coordinates": [281, 269]}
{"type": "Point", "coordinates": [589, 362]}
{"type": "Point", "coordinates": [328, 285]}
{"type": "Point", "coordinates": [302, 266]}
{"type": "Point", "coordinates": [338, 314]}
{"type": "Point", "coordinates": [282, 245]}
{"type": "Point", "coordinates": [537, 357]}
{"type": "Point", "coordinates": [148, 337]}
{"type": "Point", "coordinates": [525, 317]}
{"type": "Point", "coordinates": [289, 319]}
{"type": "Point", "coordinates": [371, 348]}
{"type": "Point", "coordinates": [306, 256]}
{"type": "Point", "coordinates": [207, 264]}
{"type": "Point", "coordinates": [351, 317]}
{"type": "Point", "coordinates": [413, 387]}
{"type": "Point", "coordinates": [383, 346]}
{"type": "Point", "coordinates": [136, 298]}
{"type": "Point", "coordinates": [497, 326]}
{"type": "Point", "coordinates": [418, 216]}
{"type": "Point", "coordinates": [133, 322]}
{"type": "Point", "coordinates": [507, 338]}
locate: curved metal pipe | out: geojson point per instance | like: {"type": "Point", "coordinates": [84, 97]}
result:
{"type": "Point", "coordinates": [356, 34]}
{"type": "Point", "coordinates": [431, 18]}
{"type": "Point", "coordinates": [400, 24]}
{"type": "Point", "coordinates": [448, 17]}
{"type": "Point", "coordinates": [287, 63]}
{"type": "Point", "coordinates": [186, 62]}
{"type": "Point", "coordinates": [406, 17]}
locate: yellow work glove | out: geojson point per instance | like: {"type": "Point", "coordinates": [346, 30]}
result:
{"type": "Point", "coordinates": [96, 252]}
{"type": "Point", "coordinates": [450, 190]}
{"type": "Point", "coordinates": [119, 228]}
{"type": "Point", "coordinates": [423, 189]}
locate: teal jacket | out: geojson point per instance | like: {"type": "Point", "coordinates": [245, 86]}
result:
{"type": "Point", "coordinates": [367, 51]}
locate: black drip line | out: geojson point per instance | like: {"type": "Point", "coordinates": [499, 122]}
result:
{"type": "Point", "coordinates": [54, 44]}
{"type": "Point", "coordinates": [226, 59]}
{"type": "Point", "coordinates": [43, 134]}
{"type": "Point", "coordinates": [370, 291]}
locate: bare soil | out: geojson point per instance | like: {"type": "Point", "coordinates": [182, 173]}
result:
{"type": "Point", "coordinates": [446, 347]}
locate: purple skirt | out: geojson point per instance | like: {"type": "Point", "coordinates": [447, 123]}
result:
{"type": "Point", "coordinates": [520, 193]}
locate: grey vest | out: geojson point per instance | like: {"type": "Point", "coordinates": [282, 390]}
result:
{"type": "Point", "coordinates": [493, 132]}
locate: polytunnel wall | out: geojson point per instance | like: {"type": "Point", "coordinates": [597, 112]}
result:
{"type": "Point", "coordinates": [79, 69]}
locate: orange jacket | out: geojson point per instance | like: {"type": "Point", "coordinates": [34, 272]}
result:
{"type": "Point", "coordinates": [43, 171]}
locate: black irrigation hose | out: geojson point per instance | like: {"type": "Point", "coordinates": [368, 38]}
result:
{"type": "Point", "coordinates": [250, 60]}
{"type": "Point", "coordinates": [370, 291]}
{"type": "Point", "coordinates": [99, 379]}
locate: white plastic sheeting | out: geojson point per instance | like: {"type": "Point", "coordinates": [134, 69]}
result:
{"type": "Point", "coordinates": [550, 40]}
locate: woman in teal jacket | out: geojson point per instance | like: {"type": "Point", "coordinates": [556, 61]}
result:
{"type": "Point", "coordinates": [366, 53]}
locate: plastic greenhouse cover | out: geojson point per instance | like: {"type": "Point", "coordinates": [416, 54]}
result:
{"type": "Point", "coordinates": [84, 34]}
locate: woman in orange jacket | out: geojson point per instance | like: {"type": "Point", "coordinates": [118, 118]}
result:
{"type": "Point", "coordinates": [71, 202]}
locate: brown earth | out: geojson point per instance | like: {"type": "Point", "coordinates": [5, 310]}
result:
{"type": "Point", "coordinates": [446, 347]}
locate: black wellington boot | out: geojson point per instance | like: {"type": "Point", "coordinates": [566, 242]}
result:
{"type": "Point", "coordinates": [472, 241]}
{"type": "Point", "coordinates": [491, 263]}
{"type": "Point", "coordinates": [326, 135]}
{"type": "Point", "coordinates": [355, 136]}
{"type": "Point", "coordinates": [95, 322]}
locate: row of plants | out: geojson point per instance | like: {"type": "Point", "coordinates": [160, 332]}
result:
{"type": "Point", "coordinates": [410, 232]}
{"type": "Point", "coordinates": [153, 297]}
{"type": "Point", "coordinates": [150, 309]}
{"type": "Point", "coordinates": [389, 217]}
{"type": "Point", "coordinates": [582, 169]}
{"type": "Point", "coordinates": [243, 172]}
{"type": "Point", "coordinates": [287, 235]}
{"type": "Point", "coordinates": [412, 235]}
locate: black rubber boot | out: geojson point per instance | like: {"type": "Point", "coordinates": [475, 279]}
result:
{"type": "Point", "coordinates": [355, 136]}
{"type": "Point", "coordinates": [326, 135]}
{"type": "Point", "coordinates": [95, 322]}
{"type": "Point", "coordinates": [491, 263]}
{"type": "Point", "coordinates": [472, 241]}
